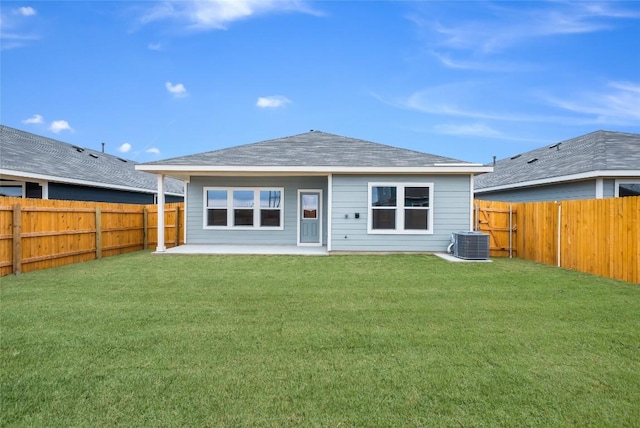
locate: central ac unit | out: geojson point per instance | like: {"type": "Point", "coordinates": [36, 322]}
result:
{"type": "Point", "coordinates": [471, 245]}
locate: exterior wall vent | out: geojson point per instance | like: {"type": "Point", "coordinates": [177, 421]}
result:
{"type": "Point", "coordinates": [471, 245]}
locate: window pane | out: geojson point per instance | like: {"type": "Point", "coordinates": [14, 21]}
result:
{"type": "Point", "coordinates": [629, 189]}
{"type": "Point", "coordinates": [243, 198]}
{"type": "Point", "coordinates": [270, 218]}
{"type": "Point", "coordinates": [11, 191]}
{"type": "Point", "coordinates": [416, 219]}
{"type": "Point", "coordinates": [217, 198]}
{"type": "Point", "coordinates": [216, 217]}
{"type": "Point", "coordinates": [270, 198]}
{"type": "Point", "coordinates": [310, 206]}
{"type": "Point", "coordinates": [383, 219]}
{"type": "Point", "coordinates": [416, 197]}
{"type": "Point", "coordinates": [383, 196]}
{"type": "Point", "coordinates": [243, 217]}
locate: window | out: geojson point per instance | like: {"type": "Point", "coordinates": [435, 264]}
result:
{"type": "Point", "coordinates": [243, 208]}
{"type": "Point", "coordinates": [12, 189]}
{"type": "Point", "coordinates": [627, 188]}
{"type": "Point", "coordinates": [400, 208]}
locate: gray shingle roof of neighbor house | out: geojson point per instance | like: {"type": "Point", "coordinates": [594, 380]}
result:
{"type": "Point", "coordinates": [311, 149]}
{"type": "Point", "coordinates": [37, 157]}
{"type": "Point", "coordinates": [597, 152]}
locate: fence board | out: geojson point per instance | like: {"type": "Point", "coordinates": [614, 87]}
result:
{"type": "Point", "coordinates": [598, 236]}
{"type": "Point", "coordinates": [54, 233]}
{"type": "Point", "coordinates": [499, 221]}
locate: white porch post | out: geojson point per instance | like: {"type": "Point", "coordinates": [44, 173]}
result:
{"type": "Point", "coordinates": [160, 248]}
{"type": "Point", "coordinates": [599, 188]}
{"type": "Point", "coordinates": [45, 189]}
{"type": "Point", "coordinates": [329, 210]}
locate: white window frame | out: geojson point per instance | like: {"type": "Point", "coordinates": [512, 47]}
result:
{"type": "Point", "coordinates": [620, 181]}
{"type": "Point", "coordinates": [21, 184]}
{"type": "Point", "coordinates": [399, 208]}
{"type": "Point", "coordinates": [230, 208]}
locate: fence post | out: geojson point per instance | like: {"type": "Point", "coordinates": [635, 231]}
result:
{"type": "Point", "coordinates": [177, 225]}
{"type": "Point", "coordinates": [17, 239]}
{"type": "Point", "coordinates": [98, 233]}
{"type": "Point", "coordinates": [510, 231]}
{"type": "Point", "coordinates": [559, 232]}
{"type": "Point", "coordinates": [145, 227]}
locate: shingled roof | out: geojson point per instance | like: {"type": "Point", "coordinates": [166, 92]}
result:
{"type": "Point", "coordinates": [30, 155]}
{"type": "Point", "coordinates": [599, 151]}
{"type": "Point", "coordinates": [311, 149]}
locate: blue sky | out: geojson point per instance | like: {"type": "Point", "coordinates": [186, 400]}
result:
{"type": "Point", "coordinates": [468, 80]}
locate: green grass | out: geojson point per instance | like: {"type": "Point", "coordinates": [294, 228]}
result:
{"type": "Point", "coordinates": [399, 340]}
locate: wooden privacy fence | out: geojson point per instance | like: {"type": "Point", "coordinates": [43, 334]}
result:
{"type": "Point", "coordinates": [38, 234]}
{"type": "Point", "coordinates": [598, 236]}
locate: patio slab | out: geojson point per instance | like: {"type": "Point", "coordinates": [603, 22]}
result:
{"type": "Point", "coordinates": [452, 258]}
{"type": "Point", "coordinates": [247, 249]}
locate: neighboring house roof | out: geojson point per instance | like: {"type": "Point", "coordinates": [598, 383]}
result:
{"type": "Point", "coordinates": [313, 151]}
{"type": "Point", "coordinates": [598, 154]}
{"type": "Point", "coordinates": [31, 156]}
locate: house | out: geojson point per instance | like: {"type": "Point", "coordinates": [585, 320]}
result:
{"type": "Point", "coordinates": [320, 189]}
{"type": "Point", "coordinates": [33, 166]}
{"type": "Point", "coordinates": [602, 164]}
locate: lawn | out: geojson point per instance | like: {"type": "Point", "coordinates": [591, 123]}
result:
{"type": "Point", "coordinates": [397, 340]}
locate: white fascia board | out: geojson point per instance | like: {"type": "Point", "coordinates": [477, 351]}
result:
{"type": "Point", "coordinates": [311, 170]}
{"type": "Point", "coordinates": [43, 177]}
{"type": "Point", "coordinates": [563, 178]}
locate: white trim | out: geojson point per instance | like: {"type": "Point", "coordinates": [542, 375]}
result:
{"type": "Point", "coordinates": [42, 177]}
{"type": "Point", "coordinates": [458, 164]}
{"type": "Point", "coordinates": [160, 248]}
{"type": "Point", "coordinates": [329, 210]}
{"type": "Point", "coordinates": [45, 189]}
{"type": "Point", "coordinates": [299, 217]}
{"type": "Point", "coordinates": [563, 178]}
{"type": "Point", "coordinates": [186, 170]}
{"type": "Point", "coordinates": [471, 199]}
{"type": "Point", "coordinates": [185, 222]}
{"type": "Point", "coordinates": [230, 208]}
{"type": "Point", "coordinates": [399, 209]}
{"type": "Point", "coordinates": [622, 180]}
{"type": "Point", "coordinates": [599, 188]}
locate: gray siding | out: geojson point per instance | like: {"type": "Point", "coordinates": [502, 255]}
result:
{"type": "Point", "coordinates": [196, 234]}
{"type": "Point", "coordinates": [97, 194]}
{"type": "Point", "coordinates": [451, 213]}
{"type": "Point", "coordinates": [609, 188]}
{"type": "Point", "coordinates": [552, 192]}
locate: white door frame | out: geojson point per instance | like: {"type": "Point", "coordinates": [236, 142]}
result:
{"type": "Point", "coordinates": [320, 219]}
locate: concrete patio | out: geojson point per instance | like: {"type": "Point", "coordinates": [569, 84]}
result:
{"type": "Point", "coordinates": [291, 250]}
{"type": "Point", "coordinates": [247, 249]}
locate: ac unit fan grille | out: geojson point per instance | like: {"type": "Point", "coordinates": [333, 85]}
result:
{"type": "Point", "coordinates": [471, 245]}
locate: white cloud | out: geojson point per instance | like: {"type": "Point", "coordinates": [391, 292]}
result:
{"type": "Point", "coordinates": [36, 118]}
{"type": "Point", "coordinates": [153, 150]}
{"type": "Point", "coordinates": [217, 14]}
{"type": "Point", "coordinates": [15, 30]}
{"type": "Point", "coordinates": [26, 11]}
{"type": "Point", "coordinates": [124, 148]}
{"type": "Point", "coordinates": [498, 27]}
{"type": "Point", "coordinates": [616, 104]}
{"type": "Point", "coordinates": [178, 90]}
{"type": "Point", "coordinates": [59, 126]}
{"type": "Point", "coordinates": [473, 129]}
{"type": "Point", "coordinates": [273, 101]}
{"type": "Point", "coordinates": [154, 46]}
